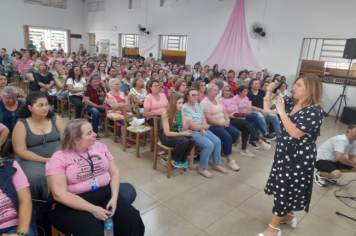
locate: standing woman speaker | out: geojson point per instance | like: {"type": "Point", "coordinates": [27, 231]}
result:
{"type": "Point", "coordinates": [291, 177]}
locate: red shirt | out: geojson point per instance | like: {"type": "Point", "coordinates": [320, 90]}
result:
{"type": "Point", "coordinates": [169, 85]}
{"type": "Point", "coordinates": [233, 85]}
{"type": "Point", "coordinates": [96, 95]}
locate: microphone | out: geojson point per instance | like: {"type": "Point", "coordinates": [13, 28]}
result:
{"type": "Point", "coordinates": [286, 98]}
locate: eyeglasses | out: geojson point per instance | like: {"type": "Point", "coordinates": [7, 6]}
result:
{"type": "Point", "coordinates": [155, 86]}
{"type": "Point", "coordinates": [10, 99]}
{"type": "Point", "coordinates": [194, 95]}
{"type": "Point", "coordinates": [298, 85]}
{"type": "Point", "coordinates": [116, 84]}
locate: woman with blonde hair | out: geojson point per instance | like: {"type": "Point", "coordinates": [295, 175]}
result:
{"type": "Point", "coordinates": [176, 131]}
{"type": "Point", "coordinates": [291, 177]}
{"type": "Point", "coordinates": [43, 79]}
{"type": "Point", "coordinates": [85, 182]}
{"type": "Point", "coordinates": [54, 68]}
{"type": "Point", "coordinates": [61, 81]}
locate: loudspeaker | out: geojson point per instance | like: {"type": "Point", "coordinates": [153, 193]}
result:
{"type": "Point", "coordinates": [348, 115]}
{"type": "Point", "coordinates": [350, 49]}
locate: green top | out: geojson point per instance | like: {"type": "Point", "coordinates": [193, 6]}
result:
{"type": "Point", "coordinates": [178, 121]}
{"type": "Point", "coordinates": [61, 80]}
{"type": "Point", "coordinates": [238, 81]}
{"type": "Point", "coordinates": [31, 46]}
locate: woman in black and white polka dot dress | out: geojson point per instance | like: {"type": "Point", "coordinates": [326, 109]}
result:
{"type": "Point", "coordinates": [291, 177]}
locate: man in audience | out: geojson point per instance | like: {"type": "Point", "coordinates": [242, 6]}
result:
{"type": "Point", "coordinates": [31, 46]}
{"type": "Point", "coordinates": [202, 77]}
{"type": "Point", "coordinates": [331, 160]}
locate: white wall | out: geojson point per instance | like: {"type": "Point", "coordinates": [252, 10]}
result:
{"type": "Point", "coordinates": [16, 13]}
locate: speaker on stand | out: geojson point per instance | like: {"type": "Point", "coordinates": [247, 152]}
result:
{"type": "Point", "coordinates": [349, 53]}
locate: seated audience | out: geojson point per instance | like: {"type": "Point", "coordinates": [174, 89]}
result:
{"type": "Point", "coordinates": [201, 87]}
{"type": "Point", "coordinates": [54, 68]}
{"type": "Point", "coordinates": [80, 201]}
{"type": "Point", "coordinates": [43, 79]}
{"type": "Point", "coordinates": [24, 67]}
{"type": "Point", "coordinates": [9, 106]}
{"type": "Point", "coordinates": [3, 82]}
{"type": "Point", "coordinates": [56, 56]}
{"type": "Point", "coordinates": [138, 93]}
{"type": "Point", "coordinates": [212, 79]}
{"type": "Point", "coordinates": [155, 102]}
{"type": "Point", "coordinates": [161, 86]}
{"type": "Point", "coordinates": [256, 97]}
{"type": "Point", "coordinates": [17, 61]}
{"type": "Point", "coordinates": [241, 78]}
{"type": "Point", "coordinates": [173, 132]}
{"type": "Point", "coordinates": [331, 160]}
{"type": "Point", "coordinates": [188, 77]}
{"type": "Point", "coordinates": [203, 77]}
{"type": "Point", "coordinates": [259, 75]}
{"type": "Point", "coordinates": [60, 82]}
{"type": "Point", "coordinates": [180, 87]}
{"type": "Point", "coordinates": [162, 75]}
{"type": "Point", "coordinates": [75, 86]}
{"type": "Point", "coordinates": [220, 85]}
{"type": "Point", "coordinates": [116, 100]}
{"type": "Point", "coordinates": [241, 123]}
{"type": "Point", "coordinates": [219, 122]}
{"type": "Point", "coordinates": [35, 138]}
{"type": "Point", "coordinates": [282, 89]}
{"type": "Point", "coordinates": [127, 80]}
{"type": "Point", "coordinates": [16, 204]}
{"type": "Point", "coordinates": [264, 85]}
{"type": "Point", "coordinates": [84, 71]}
{"type": "Point", "coordinates": [94, 97]}
{"type": "Point", "coordinates": [230, 81]}
{"type": "Point", "coordinates": [204, 138]}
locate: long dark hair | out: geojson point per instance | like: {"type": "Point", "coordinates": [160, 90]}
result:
{"type": "Point", "coordinates": [250, 84]}
{"type": "Point", "coordinates": [71, 74]}
{"type": "Point", "coordinates": [31, 99]}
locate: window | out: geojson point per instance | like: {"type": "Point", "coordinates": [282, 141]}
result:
{"type": "Point", "coordinates": [134, 4]}
{"type": "Point", "coordinates": [50, 37]}
{"type": "Point", "coordinates": [173, 2]}
{"type": "Point", "coordinates": [175, 43]}
{"type": "Point", "coordinates": [129, 40]}
{"type": "Point", "coordinates": [96, 6]}
{"type": "Point", "coordinates": [329, 50]}
{"type": "Point", "coordinates": [49, 3]}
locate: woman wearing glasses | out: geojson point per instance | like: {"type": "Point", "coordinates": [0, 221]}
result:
{"type": "Point", "coordinates": [291, 177]}
{"type": "Point", "coordinates": [201, 87]}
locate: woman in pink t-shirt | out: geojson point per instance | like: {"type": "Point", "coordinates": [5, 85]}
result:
{"type": "Point", "coordinates": [155, 102]}
{"type": "Point", "coordinates": [84, 182]}
{"type": "Point", "coordinates": [15, 200]}
{"type": "Point", "coordinates": [241, 123]}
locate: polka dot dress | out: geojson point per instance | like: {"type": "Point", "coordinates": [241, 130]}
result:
{"type": "Point", "coordinates": [291, 177]}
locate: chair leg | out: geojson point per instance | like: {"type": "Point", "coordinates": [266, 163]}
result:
{"type": "Point", "coordinates": [192, 152]}
{"type": "Point", "coordinates": [137, 144]}
{"type": "Point", "coordinates": [152, 141]}
{"type": "Point", "coordinates": [124, 141]}
{"type": "Point", "coordinates": [169, 164]}
{"type": "Point", "coordinates": [115, 132]}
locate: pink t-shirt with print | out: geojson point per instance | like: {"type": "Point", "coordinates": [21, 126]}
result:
{"type": "Point", "coordinates": [78, 171]}
{"type": "Point", "coordinates": [229, 105]}
{"type": "Point", "coordinates": [242, 103]}
{"type": "Point", "coordinates": [8, 214]}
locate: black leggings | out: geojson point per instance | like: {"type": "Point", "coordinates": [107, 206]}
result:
{"type": "Point", "coordinates": [182, 145]}
{"type": "Point", "coordinates": [77, 101]}
{"type": "Point", "coordinates": [127, 220]}
{"type": "Point", "coordinates": [246, 128]}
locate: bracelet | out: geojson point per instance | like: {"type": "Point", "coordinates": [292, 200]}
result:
{"type": "Point", "coordinates": [267, 100]}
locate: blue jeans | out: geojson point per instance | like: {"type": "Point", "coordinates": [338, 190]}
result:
{"type": "Point", "coordinates": [13, 230]}
{"type": "Point", "coordinates": [228, 136]}
{"type": "Point", "coordinates": [95, 114]}
{"type": "Point", "coordinates": [63, 95]}
{"type": "Point", "coordinates": [211, 145]}
{"type": "Point", "coordinates": [273, 118]}
{"type": "Point", "coordinates": [256, 123]}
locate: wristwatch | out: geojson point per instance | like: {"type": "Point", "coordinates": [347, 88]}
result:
{"type": "Point", "coordinates": [22, 233]}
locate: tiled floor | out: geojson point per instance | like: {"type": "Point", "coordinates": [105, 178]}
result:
{"type": "Point", "coordinates": [233, 204]}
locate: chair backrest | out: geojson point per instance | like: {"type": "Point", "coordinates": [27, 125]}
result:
{"type": "Point", "coordinates": [129, 108]}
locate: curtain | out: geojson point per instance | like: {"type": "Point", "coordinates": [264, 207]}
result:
{"type": "Point", "coordinates": [233, 50]}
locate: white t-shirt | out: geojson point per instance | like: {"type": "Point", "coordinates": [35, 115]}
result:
{"type": "Point", "coordinates": [79, 85]}
{"type": "Point", "coordinates": [339, 143]}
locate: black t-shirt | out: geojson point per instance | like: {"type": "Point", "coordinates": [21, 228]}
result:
{"type": "Point", "coordinates": [257, 100]}
{"type": "Point", "coordinates": [45, 79]}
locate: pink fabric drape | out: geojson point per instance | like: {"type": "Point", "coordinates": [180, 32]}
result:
{"type": "Point", "coordinates": [233, 50]}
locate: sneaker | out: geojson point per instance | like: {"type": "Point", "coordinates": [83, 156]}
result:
{"type": "Point", "coordinates": [247, 153]}
{"type": "Point", "coordinates": [263, 145]}
{"type": "Point", "coordinates": [319, 180]}
{"type": "Point", "coordinates": [333, 181]}
{"type": "Point", "coordinates": [253, 145]}
{"type": "Point", "coordinates": [176, 164]}
{"type": "Point", "coordinates": [97, 137]}
{"type": "Point", "coordinates": [266, 140]}
{"type": "Point", "coordinates": [269, 137]}
{"type": "Point", "coordinates": [185, 165]}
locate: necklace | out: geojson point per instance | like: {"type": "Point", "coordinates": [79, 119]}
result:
{"type": "Point", "coordinates": [156, 97]}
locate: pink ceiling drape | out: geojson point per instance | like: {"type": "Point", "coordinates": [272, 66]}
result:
{"type": "Point", "coordinates": [233, 50]}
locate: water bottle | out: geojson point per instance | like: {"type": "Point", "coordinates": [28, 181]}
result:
{"type": "Point", "coordinates": [108, 227]}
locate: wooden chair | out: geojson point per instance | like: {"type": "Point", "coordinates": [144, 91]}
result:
{"type": "Point", "coordinates": [109, 127]}
{"type": "Point", "coordinates": [61, 102]}
{"type": "Point", "coordinates": [71, 110]}
{"type": "Point", "coordinates": [142, 129]}
{"type": "Point", "coordinates": [88, 116]}
{"type": "Point", "coordinates": [156, 155]}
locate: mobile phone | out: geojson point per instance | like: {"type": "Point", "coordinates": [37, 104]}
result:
{"type": "Point", "coordinates": [108, 105]}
